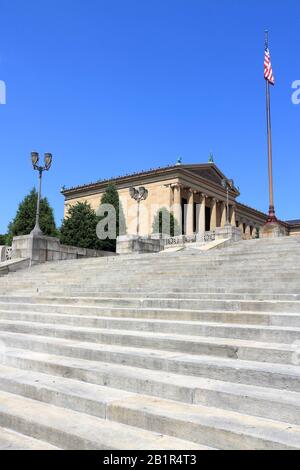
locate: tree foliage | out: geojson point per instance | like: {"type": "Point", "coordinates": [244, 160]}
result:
{"type": "Point", "coordinates": [165, 223]}
{"type": "Point", "coordinates": [79, 227]}
{"type": "Point", "coordinates": [3, 240]}
{"type": "Point", "coordinates": [24, 220]}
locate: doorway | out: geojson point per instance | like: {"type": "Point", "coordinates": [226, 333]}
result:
{"type": "Point", "coordinates": [183, 215]}
{"type": "Point", "coordinates": [207, 218]}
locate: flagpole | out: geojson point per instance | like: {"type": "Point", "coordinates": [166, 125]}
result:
{"type": "Point", "coordinates": [272, 216]}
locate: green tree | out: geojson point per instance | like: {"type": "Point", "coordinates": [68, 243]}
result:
{"type": "Point", "coordinates": [79, 227]}
{"type": "Point", "coordinates": [3, 240]}
{"type": "Point", "coordinates": [111, 197]}
{"type": "Point", "coordinates": [24, 220]}
{"type": "Point", "coordinates": [165, 223]}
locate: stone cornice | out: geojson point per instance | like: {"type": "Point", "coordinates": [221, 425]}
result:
{"type": "Point", "coordinates": [146, 177]}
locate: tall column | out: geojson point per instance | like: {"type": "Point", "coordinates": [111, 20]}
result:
{"type": "Point", "coordinates": [190, 214]}
{"type": "Point", "coordinates": [241, 227]}
{"type": "Point", "coordinates": [201, 216]}
{"type": "Point", "coordinates": [223, 214]}
{"type": "Point", "coordinates": [248, 232]}
{"type": "Point", "coordinates": [172, 190]}
{"type": "Point", "coordinates": [233, 215]}
{"type": "Point", "coordinates": [213, 216]}
{"type": "Point", "coordinates": [177, 211]}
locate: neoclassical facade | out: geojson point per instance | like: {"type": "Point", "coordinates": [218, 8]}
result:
{"type": "Point", "coordinates": [194, 193]}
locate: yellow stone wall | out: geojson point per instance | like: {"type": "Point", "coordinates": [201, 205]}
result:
{"type": "Point", "coordinates": [295, 232]}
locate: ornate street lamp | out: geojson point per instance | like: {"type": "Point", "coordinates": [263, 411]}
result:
{"type": "Point", "coordinates": [227, 184]}
{"type": "Point", "coordinates": [138, 195]}
{"type": "Point", "coordinates": [47, 165]}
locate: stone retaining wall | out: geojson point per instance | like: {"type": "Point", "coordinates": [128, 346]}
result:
{"type": "Point", "coordinates": [40, 249]}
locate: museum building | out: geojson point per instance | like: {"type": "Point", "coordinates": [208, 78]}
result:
{"type": "Point", "coordinates": [194, 193]}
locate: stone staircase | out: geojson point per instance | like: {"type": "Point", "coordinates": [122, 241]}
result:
{"type": "Point", "coordinates": [184, 350]}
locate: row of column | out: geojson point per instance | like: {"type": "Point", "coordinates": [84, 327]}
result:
{"type": "Point", "coordinates": [202, 203]}
{"type": "Point", "coordinates": [249, 230]}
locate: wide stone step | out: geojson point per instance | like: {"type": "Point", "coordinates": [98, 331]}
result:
{"type": "Point", "coordinates": [139, 274]}
{"type": "Point", "coordinates": [72, 430]}
{"type": "Point", "coordinates": [165, 303]}
{"type": "Point", "coordinates": [283, 334]}
{"type": "Point", "coordinates": [60, 391]}
{"type": "Point", "coordinates": [181, 295]}
{"type": "Point", "coordinates": [197, 265]}
{"type": "Point", "coordinates": [94, 290]}
{"type": "Point", "coordinates": [159, 285]}
{"type": "Point", "coordinates": [167, 280]}
{"type": "Point", "coordinates": [13, 311]}
{"type": "Point", "coordinates": [100, 292]}
{"type": "Point", "coordinates": [193, 257]}
{"type": "Point", "coordinates": [192, 293]}
{"type": "Point", "coordinates": [221, 347]}
{"type": "Point", "coordinates": [196, 423]}
{"type": "Point", "coordinates": [202, 270]}
{"type": "Point", "coordinates": [224, 429]}
{"type": "Point", "coordinates": [248, 399]}
{"type": "Point", "coordinates": [278, 376]}
{"type": "Point", "coordinates": [201, 274]}
{"type": "Point", "coordinates": [10, 440]}
{"type": "Point", "coordinates": [207, 287]}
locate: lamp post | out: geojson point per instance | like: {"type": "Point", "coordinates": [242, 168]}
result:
{"type": "Point", "coordinates": [227, 184]}
{"type": "Point", "coordinates": [47, 165]}
{"type": "Point", "coordinates": [138, 195]}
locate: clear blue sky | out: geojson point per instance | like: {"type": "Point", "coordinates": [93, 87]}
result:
{"type": "Point", "coordinates": [115, 86]}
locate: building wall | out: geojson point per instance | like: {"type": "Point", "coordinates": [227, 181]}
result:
{"type": "Point", "coordinates": [295, 231]}
{"type": "Point", "coordinates": [159, 196]}
{"type": "Point", "coordinates": [249, 221]}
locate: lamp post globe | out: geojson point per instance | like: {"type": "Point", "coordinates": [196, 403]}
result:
{"type": "Point", "coordinates": [138, 195]}
{"type": "Point", "coordinates": [34, 158]}
{"type": "Point", "coordinates": [48, 161]}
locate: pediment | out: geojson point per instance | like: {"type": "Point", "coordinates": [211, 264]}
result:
{"type": "Point", "coordinates": [209, 172]}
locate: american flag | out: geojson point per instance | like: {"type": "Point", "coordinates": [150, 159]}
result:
{"type": "Point", "coordinates": [268, 67]}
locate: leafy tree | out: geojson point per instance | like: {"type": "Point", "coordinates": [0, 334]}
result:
{"type": "Point", "coordinates": [165, 223]}
{"type": "Point", "coordinates": [24, 220]}
{"type": "Point", "coordinates": [3, 240]}
{"type": "Point", "coordinates": [79, 227]}
{"type": "Point", "coordinates": [111, 197]}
